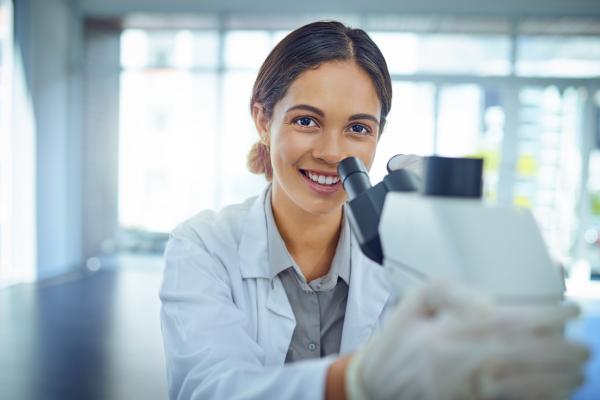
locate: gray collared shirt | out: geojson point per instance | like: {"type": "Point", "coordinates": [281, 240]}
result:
{"type": "Point", "coordinates": [319, 306]}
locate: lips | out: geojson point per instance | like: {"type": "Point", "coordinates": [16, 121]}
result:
{"type": "Point", "coordinates": [317, 172]}
{"type": "Point", "coordinates": [321, 182]}
{"type": "Point", "coordinates": [321, 178]}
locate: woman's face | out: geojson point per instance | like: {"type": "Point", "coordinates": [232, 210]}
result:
{"type": "Point", "coordinates": [328, 113]}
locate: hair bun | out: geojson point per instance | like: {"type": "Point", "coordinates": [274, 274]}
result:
{"type": "Point", "coordinates": [259, 160]}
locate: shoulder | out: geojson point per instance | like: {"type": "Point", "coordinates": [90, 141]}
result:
{"type": "Point", "coordinates": [211, 230]}
{"type": "Point", "coordinates": [203, 251]}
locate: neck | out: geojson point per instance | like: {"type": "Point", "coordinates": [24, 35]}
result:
{"type": "Point", "coordinates": [311, 239]}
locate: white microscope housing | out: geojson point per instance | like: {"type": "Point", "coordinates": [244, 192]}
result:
{"type": "Point", "coordinates": [436, 228]}
{"type": "Point", "coordinates": [498, 250]}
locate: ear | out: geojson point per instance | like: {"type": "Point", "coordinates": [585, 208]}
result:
{"type": "Point", "coordinates": [261, 122]}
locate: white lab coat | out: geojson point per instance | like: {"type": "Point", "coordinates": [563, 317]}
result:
{"type": "Point", "coordinates": [227, 326]}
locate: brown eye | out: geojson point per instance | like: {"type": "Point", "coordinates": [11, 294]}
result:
{"type": "Point", "coordinates": [360, 129]}
{"type": "Point", "coordinates": [306, 122]}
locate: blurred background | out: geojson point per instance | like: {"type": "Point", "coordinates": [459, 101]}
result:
{"type": "Point", "coordinates": [121, 118]}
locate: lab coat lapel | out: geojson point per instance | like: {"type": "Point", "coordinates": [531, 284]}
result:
{"type": "Point", "coordinates": [276, 321]}
{"type": "Point", "coordinates": [367, 297]}
{"type": "Point", "coordinates": [279, 323]}
{"type": "Point", "coordinates": [253, 252]}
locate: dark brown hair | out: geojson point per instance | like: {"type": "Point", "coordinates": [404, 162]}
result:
{"type": "Point", "coordinates": [306, 48]}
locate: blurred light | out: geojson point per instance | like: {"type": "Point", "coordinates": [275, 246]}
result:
{"type": "Point", "coordinates": [459, 125]}
{"type": "Point", "coordinates": [558, 56]}
{"type": "Point", "coordinates": [494, 118]}
{"type": "Point", "coordinates": [108, 246]}
{"type": "Point", "coordinates": [246, 49]}
{"type": "Point", "coordinates": [93, 264]}
{"type": "Point", "coordinates": [409, 127]}
{"type": "Point", "coordinates": [591, 236]}
{"type": "Point", "coordinates": [401, 51]}
{"type": "Point", "coordinates": [408, 53]}
{"type": "Point", "coordinates": [134, 48]}
{"type": "Point", "coordinates": [184, 47]}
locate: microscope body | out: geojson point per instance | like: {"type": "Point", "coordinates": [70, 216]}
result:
{"type": "Point", "coordinates": [438, 229]}
{"type": "Point", "coordinates": [497, 250]}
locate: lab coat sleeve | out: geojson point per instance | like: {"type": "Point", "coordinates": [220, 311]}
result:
{"type": "Point", "coordinates": [209, 354]}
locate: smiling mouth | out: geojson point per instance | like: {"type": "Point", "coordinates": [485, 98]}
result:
{"type": "Point", "coordinates": [321, 179]}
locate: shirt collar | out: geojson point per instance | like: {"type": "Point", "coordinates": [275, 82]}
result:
{"type": "Point", "coordinates": [280, 259]}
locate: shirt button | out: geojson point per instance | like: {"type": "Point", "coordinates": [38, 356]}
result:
{"type": "Point", "coordinates": [312, 347]}
{"type": "Point", "coordinates": [319, 287]}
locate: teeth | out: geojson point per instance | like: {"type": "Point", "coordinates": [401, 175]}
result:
{"type": "Point", "coordinates": [323, 180]}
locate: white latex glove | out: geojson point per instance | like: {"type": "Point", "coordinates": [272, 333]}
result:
{"type": "Point", "coordinates": [448, 343]}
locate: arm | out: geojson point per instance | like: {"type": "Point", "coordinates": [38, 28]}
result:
{"type": "Point", "coordinates": [336, 379]}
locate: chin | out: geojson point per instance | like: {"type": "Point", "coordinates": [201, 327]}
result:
{"type": "Point", "coordinates": [322, 207]}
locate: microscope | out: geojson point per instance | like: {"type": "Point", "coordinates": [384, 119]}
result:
{"type": "Point", "coordinates": [437, 228]}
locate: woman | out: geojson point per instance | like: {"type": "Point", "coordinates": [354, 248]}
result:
{"type": "Point", "coordinates": [260, 300]}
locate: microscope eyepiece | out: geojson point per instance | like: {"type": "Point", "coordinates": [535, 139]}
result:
{"type": "Point", "coordinates": [354, 176]}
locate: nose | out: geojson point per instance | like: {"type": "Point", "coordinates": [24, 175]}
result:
{"type": "Point", "coordinates": [329, 147]}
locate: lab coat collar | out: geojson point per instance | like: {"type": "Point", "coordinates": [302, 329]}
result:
{"type": "Point", "coordinates": [253, 250]}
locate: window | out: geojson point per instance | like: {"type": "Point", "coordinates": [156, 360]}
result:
{"type": "Point", "coordinates": [471, 123]}
{"type": "Point", "coordinates": [168, 129]}
{"type": "Point", "coordinates": [410, 125]}
{"type": "Point", "coordinates": [559, 56]}
{"type": "Point", "coordinates": [409, 53]}
{"type": "Point", "coordinates": [558, 47]}
{"type": "Point", "coordinates": [244, 53]}
{"type": "Point", "coordinates": [465, 120]}
{"type": "Point", "coordinates": [186, 127]}
{"type": "Point", "coordinates": [589, 248]}
{"type": "Point", "coordinates": [6, 154]}
{"type": "Point", "coordinates": [549, 160]}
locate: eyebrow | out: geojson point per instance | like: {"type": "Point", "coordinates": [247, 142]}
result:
{"type": "Point", "coordinates": [306, 107]}
{"type": "Point", "coordinates": [320, 112]}
{"type": "Point", "coordinates": [363, 116]}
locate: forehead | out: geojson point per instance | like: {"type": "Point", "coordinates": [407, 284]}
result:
{"type": "Point", "coordinates": [335, 87]}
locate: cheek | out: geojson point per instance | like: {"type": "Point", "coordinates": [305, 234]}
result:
{"type": "Point", "coordinates": [366, 152]}
{"type": "Point", "coordinates": [287, 148]}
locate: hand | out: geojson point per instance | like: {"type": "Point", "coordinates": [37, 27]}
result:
{"type": "Point", "coordinates": [448, 343]}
